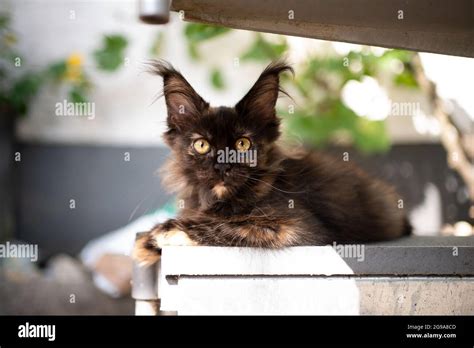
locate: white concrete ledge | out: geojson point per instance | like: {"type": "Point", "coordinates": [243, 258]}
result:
{"type": "Point", "coordinates": [210, 280]}
{"type": "Point", "coordinates": [409, 276]}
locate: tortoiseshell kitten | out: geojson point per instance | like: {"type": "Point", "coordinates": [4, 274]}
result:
{"type": "Point", "coordinates": [276, 201]}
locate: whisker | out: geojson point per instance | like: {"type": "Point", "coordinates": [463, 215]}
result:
{"type": "Point", "coordinates": [266, 183]}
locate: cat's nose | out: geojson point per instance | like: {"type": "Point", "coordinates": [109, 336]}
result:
{"type": "Point", "coordinates": [222, 168]}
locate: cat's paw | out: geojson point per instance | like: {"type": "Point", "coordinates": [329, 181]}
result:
{"type": "Point", "coordinates": [173, 237]}
{"type": "Point", "coordinates": [147, 248]}
{"type": "Point", "coordinates": [145, 251]}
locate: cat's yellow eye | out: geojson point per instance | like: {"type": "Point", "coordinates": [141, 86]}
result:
{"type": "Point", "coordinates": [202, 146]}
{"type": "Point", "coordinates": [242, 144]}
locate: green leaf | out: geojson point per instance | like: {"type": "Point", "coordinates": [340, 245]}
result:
{"type": "Point", "coordinates": [4, 20]}
{"type": "Point", "coordinates": [198, 32]}
{"type": "Point", "coordinates": [264, 50]}
{"type": "Point", "coordinates": [406, 79]}
{"type": "Point", "coordinates": [108, 61]}
{"type": "Point", "coordinates": [56, 70]}
{"type": "Point", "coordinates": [115, 43]}
{"type": "Point", "coordinates": [371, 136]}
{"type": "Point", "coordinates": [77, 95]}
{"type": "Point", "coordinates": [217, 79]}
{"type": "Point", "coordinates": [111, 56]}
{"type": "Point", "coordinates": [193, 50]}
{"type": "Point", "coordinates": [23, 91]}
{"type": "Point", "coordinates": [402, 55]}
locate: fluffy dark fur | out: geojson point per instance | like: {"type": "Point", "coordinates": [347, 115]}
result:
{"type": "Point", "coordinates": [310, 199]}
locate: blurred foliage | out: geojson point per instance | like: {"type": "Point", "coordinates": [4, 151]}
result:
{"type": "Point", "coordinates": [197, 33]}
{"type": "Point", "coordinates": [111, 55]}
{"type": "Point", "coordinates": [17, 91]}
{"type": "Point", "coordinates": [217, 80]}
{"type": "Point", "coordinates": [319, 116]}
{"type": "Point", "coordinates": [20, 93]}
{"type": "Point", "coordinates": [157, 44]}
{"type": "Point", "coordinates": [20, 83]}
{"type": "Point", "coordinates": [263, 50]}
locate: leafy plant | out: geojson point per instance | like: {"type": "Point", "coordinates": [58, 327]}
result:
{"type": "Point", "coordinates": [15, 92]}
{"type": "Point", "coordinates": [20, 85]}
{"type": "Point", "coordinates": [322, 118]}
{"type": "Point", "coordinates": [111, 55]}
{"type": "Point", "coordinates": [217, 80]}
{"type": "Point", "coordinates": [22, 91]}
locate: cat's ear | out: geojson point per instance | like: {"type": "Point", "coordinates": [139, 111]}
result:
{"type": "Point", "coordinates": [260, 101]}
{"type": "Point", "coordinates": [182, 101]}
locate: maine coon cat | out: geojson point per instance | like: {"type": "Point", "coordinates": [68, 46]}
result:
{"type": "Point", "coordinates": [274, 201]}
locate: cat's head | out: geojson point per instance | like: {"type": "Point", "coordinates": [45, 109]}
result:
{"type": "Point", "coordinates": [221, 151]}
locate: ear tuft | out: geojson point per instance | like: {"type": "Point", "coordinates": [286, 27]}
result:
{"type": "Point", "coordinates": [182, 101]}
{"type": "Point", "coordinates": [261, 99]}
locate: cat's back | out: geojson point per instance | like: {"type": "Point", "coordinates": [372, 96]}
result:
{"type": "Point", "coordinates": [343, 196]}
{"type": "Point", "coordinates": [304, 166]}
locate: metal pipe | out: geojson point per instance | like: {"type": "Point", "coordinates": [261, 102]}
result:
{"type": "Point", "coordinates": [154, 11]}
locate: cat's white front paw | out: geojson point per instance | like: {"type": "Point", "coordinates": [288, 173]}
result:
{"type": "Point", "coordinates": [147, 250]}
{"type": "Point", "coordinates": [173, 237]}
